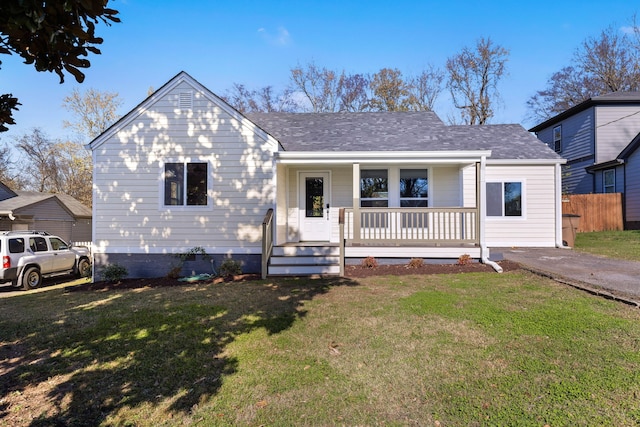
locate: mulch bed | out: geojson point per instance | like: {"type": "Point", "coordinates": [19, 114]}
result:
{"type": "Point", "coordinates": [351, 271]}
{"type": "Point", "coordinates": [358, 271]}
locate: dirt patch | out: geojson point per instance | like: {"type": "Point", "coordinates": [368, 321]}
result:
{"type": "Point", "coordinates": [356, 271]}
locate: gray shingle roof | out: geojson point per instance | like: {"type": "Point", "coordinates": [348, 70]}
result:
{"type": "Point", "coordinates": [396, 131]}
{"type": "Point", "coordinates": [28, 198]}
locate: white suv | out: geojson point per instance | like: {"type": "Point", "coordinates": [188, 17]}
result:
{"type": "Point", "coordinates": [28, 256]}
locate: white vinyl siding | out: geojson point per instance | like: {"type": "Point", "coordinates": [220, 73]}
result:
{"type": "Point", "coordinates": [536, 227]}
{"type": "Point", "coordinates": [445, 187]}
{"type": "Point", "coordinates": [127, 195]}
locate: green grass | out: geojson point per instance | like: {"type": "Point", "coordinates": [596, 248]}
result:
{"type": "Point", "coordinates": [612, 244]}
{"type": "Point", "coordinates": [476, 349]}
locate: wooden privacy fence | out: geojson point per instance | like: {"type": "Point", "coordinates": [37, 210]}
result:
{"type": "Point", "coordinates": [598, 212]}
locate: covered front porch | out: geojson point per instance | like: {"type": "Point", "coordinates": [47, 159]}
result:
{"type": "Point", "coordinates": [333, 208]}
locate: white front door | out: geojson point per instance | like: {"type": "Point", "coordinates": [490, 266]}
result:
{"type": "Point", "coordinates": [315, 224]}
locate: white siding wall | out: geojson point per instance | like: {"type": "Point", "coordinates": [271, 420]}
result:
{"type": "Point", "coordinates": [128, 190]}
{"type": "Point", "coordinates": [616, 126]}
{"type": "Point", "coordinates": [445, 187]}
{"type": "Point", "coordinates": [632, 196]}
{"type": "Point", "coordinates": [537, 226]}
{"type": "Point", "coordinates": [469, 186]}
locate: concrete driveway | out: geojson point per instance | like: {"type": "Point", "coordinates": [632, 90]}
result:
{"type": "Point", "coordinates": [616, 277]}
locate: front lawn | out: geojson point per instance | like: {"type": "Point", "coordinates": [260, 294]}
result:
{"type": "Point", "coordinates": [448, 350]}
{"type": "Point", "coordinates": [612, 244]}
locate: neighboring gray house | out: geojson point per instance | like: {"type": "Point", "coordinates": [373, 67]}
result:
{"type": "Point", "coordinates": [184, 169]}
{"type": "Point", "coordinates": [57, 214]}
{"type": "Point", "coordinates": [599, 138]}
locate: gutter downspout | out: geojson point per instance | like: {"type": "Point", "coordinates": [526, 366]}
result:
{"type": "Point", "coordinates": [558, 195]}
{"type": "Point", "coordinates": [481, 183]}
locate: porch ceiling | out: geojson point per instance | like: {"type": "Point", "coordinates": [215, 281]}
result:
{"type": "Point", "coordinates": [389, 157]}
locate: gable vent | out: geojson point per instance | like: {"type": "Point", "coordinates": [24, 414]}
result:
{"type": "Point", "coordinates": [186, 100]}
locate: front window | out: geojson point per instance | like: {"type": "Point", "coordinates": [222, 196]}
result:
{"type": "Point", "coordinates": [504, 199]}
{"type": "Point", "coordinates": [557, 139]}
{"type": "Point", "coordinates": [609, 180]}
{"type": "Point", "coordinates": [185, 184]}
{"type": "Point", "coordinates": [414, 188]}
{"type": "Point", "coordinates": [374, 188]}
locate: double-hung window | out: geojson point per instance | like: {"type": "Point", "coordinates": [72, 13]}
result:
{"type": "Point", "coordinates": [609, 180]}
{"type": "Point", "coordinates": [557, 139]}
{"type": "Point", "coordinates": [414, 188]}
{"type": "Point", "coordinates": [186, 184]}
{"type": "Point", "coordinates": [374, 188]}
{"type": "Point", "coordinates": [504, 199]}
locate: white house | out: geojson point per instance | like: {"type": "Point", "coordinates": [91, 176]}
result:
{"type": "Point", "coordinates": [298, 193]}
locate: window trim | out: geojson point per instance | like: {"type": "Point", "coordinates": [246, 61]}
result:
{"type": "Point", "coordinates": [557, 142]}
{"type": "Point", "coordinates": [523, 201]}
{"type": "Point", "coordinates": [185, 207]}
{"type": "Point", "coordinates": [604, 181]}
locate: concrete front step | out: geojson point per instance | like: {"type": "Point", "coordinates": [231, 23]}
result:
{"type": "Point", "coordinates": [305, 260]}
{"type": "Point", "coordinates": [303, 270]}
{"type": "Point", "coordinates": [296, 251]}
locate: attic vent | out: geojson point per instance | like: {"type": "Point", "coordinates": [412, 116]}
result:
{"type": "Point", "coordinates": [186, 100]}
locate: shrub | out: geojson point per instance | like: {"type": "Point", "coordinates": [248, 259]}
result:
{"type": "Point", "coordinates": [230, 267]}
{"type": "Point", "coordinates": [464, 259]}
{"type": "Point", "coordinates": [415, 263]}
{"type": "Point", "coordinates": [369, 262]}
{"type": "Point", "coordinates": [174, 273]}
{"type": "Point", "coordinates": [114, 273]}
{"type": "Point", "coordinates": [190, 255]}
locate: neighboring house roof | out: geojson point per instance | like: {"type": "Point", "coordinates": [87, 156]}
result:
{"type": "Point", "coordinates": [25, 199]}
{"type": "Point", "coordinates": [6, 192]}
{"type": "Point", "coordinates": [397, 131]}
{"type": "Point", "coordinates": [612, 98]}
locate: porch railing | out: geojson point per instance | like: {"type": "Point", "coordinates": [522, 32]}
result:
{"type": "Point", "coordinates": [411, 225]}
{"type": "Point", "coordinates": [267, 241]}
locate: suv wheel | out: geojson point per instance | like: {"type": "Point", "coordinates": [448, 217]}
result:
{"type": "Point", "coordinates": [31, 279]}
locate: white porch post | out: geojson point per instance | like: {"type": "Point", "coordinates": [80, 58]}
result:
{"type": "Point", "coordinates": [558, 195]}
{"type": "Point", "coordinates": [356, 201]}
{"type": "Point", "coordinates": [481, 205]}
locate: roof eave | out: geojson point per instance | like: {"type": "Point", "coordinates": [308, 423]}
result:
{"type": "Point", "coordinates": [350, 157]}
{"type": "Point", "coordinates": [522, 162]}
{"type": "Point", "coordinates": [591, 102]}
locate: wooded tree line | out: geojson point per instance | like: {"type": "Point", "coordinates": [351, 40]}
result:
{"type": "Point", "coordinates": [471, 77]}
{"type": "Point", "coordinates": [38, 163]}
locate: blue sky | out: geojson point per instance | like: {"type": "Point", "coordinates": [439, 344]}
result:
{"type": "Point", "coordinates": [257, 42]}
